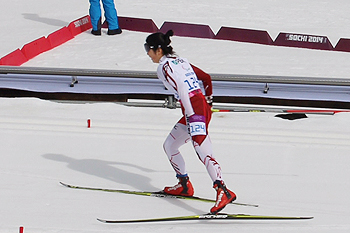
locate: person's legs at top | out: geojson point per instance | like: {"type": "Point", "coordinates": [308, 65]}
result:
{"type": "Point", "coordinates": [111, 17]}
{"type": "Point", "coordinates": [95, 16]}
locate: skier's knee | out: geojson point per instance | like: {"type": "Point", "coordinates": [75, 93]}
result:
{"type": "Point", "coordinates": [167, 146]}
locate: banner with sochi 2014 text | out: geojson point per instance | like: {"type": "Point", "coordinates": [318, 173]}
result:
{"type": "Point", "coordinates": [303, 41]}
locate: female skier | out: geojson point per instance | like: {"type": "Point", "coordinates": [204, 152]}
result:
{"type": "Point", "coordinates": [180, 77]}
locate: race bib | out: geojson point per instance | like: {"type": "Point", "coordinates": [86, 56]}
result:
{"type": "Point", "coordinates": [197, 128]}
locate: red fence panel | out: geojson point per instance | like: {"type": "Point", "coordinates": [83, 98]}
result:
{"type": "Point", "coordinates": [303, 41]}
{"type": "Point", "coordinates": [244, 35]}
{"type": "Point", "coordinates": [15, 58]}
{"type": "Point", "coordinates": [135, 24]}
{"type": "Point", "coordinates": [36, 47]}
{"type": "Point", "coordinates": [343, 45]}
{"type": "Point", "coordinates": [80, 25]}
{"type": "Point", "coordinates": [188, 30]}
{"type": "Point", "coordinates": [59, 37]}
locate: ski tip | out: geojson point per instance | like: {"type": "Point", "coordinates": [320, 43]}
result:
{"type": "Point", "coordinates": [309, 217]}
{"type": "Point", "coordinates": [101, 220]}
{"type": "Point", "coordinates": [242, 216]}
{"type": "Point", "coordinates": [67, 185]}
{"type": "Point", "coordinates": [64, 184]}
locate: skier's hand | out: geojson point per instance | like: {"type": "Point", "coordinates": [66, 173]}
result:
{"type": "Point", "coordinates": [209, 100]}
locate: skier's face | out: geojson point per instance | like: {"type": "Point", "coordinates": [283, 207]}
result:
{"type": "Point", "coordinates": [155, 55]}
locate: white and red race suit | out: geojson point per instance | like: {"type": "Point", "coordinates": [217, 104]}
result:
{"type": "Point", "coordinates": [181, 78]}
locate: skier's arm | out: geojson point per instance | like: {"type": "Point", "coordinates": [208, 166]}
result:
{"type": "Point", "coordinates": [207, 84]}
{"type": "Point", "coordinates": [205, 78]}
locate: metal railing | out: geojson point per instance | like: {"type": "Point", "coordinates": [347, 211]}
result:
{"type": "Point", "coordinates": [149, 74]}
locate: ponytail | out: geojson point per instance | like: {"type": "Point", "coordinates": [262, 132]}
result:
{"type": "Point", "coordinates": [160, 40]}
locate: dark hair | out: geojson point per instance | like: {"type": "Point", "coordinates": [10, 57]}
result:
{"type": "Point", "coordinates": [160, 40]}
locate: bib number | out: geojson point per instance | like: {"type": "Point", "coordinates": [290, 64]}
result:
{"type": "Point", "coordinates": [197, 128]}
{"type": "Point", "coordinates": [192, 83]}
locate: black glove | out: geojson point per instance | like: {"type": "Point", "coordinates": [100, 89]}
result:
{"type": "Point", "coordinates": [209, 100]}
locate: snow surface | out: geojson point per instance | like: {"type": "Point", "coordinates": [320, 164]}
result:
{"type": "Point", "coordinates": [289, 168]}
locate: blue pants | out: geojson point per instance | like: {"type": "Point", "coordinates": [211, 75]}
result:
{"type": "Point", "coordinates": [110, 13]}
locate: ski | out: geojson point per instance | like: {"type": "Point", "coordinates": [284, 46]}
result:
{"type": "Point", "coordinates": [160, 194]}
{"type": "Point", "coordinates": [277, 110]}
{"type": "Point", "coordinates": [209, 216]}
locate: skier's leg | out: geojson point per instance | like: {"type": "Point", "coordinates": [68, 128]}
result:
{"type": "Point", "coordinates": [203, 147]}
{"type": "Point", "coordinates": [176, 138]}
{"type": "Point", "coordinates": [224, 196]}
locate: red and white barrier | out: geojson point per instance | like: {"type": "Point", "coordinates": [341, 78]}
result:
{"type": "Point", "coordinates": [43, 44]}
{"type": "Point", "coordinates": [57, 38]}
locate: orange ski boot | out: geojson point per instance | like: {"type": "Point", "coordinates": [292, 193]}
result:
{"type": "Point", "coordinates": [183, 188]}
{"type": "Point", "coordinates": [223, 196]}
